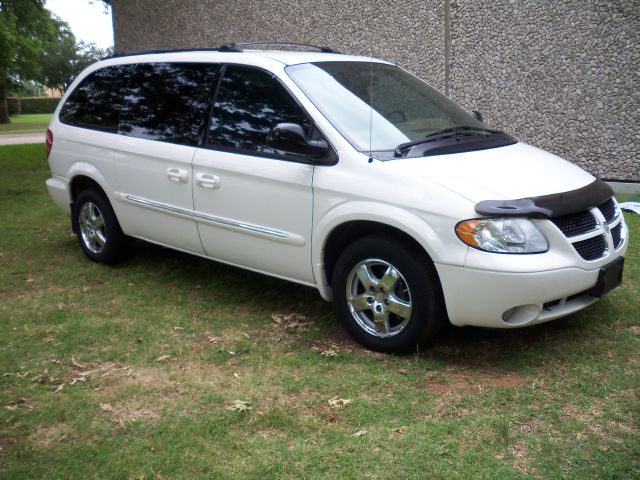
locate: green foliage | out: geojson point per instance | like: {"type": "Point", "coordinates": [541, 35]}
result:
{"type": "Point", "coordinates": [27, 88]}
{"type": "Point", "coordinates": [28, 105]}
{"type": "Point", "coordinates": [84, 394]}
{"type": "Point", "coordinates": [63, 59]}
{"type": "Point", "coordinates": [58, 57]}
{"type": "Point", "coordinates": [25, 26]}
{"type": "Point", "coordinates": [14, 106]}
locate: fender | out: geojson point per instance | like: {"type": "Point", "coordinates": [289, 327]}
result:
{"type": "Point", "coordinates": [404, 220]}
{"type": "Point", "coordinates": [86, 169]}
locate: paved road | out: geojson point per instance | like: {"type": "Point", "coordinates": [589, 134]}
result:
{"type": "Point", "coordinates": [23, 138]}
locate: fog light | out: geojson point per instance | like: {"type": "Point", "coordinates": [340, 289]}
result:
{"type": "Point", "coordinates": [521, 315]}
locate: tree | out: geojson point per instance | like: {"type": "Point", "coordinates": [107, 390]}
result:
{"type": "Point", "coordinates": [58, 58]}
{"type": "Point", "coordinates": [64, 58]}
{"type": "Point", "coordinates": [25, 26]}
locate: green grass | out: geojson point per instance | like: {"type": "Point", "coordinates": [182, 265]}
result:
{"type": "Point", "coordinates": [558, 400]}
{"type": "Point", "coordinates": [33, 123]}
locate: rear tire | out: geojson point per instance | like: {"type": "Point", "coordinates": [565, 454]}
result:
{"type": "Point", "coordinates": [387, 294]}
{"type": "Point", "coordinates": [97, 228]}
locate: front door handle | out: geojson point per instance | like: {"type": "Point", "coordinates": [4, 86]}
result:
{"type": "Point", "coordinates": [206, 180]}
{"type": "Point", "coordinates": [177, 175]}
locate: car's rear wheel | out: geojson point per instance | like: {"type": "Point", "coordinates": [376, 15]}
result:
{"type": "Point", "coordinates": [387, 294]}
{"type": "Point", "coordinates": [97, 227]}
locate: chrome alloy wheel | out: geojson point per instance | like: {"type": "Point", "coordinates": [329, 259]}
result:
{"type": "Point", "coordinates": [379, 298]}
{"type": "Point", "coordinates": [92, 228]}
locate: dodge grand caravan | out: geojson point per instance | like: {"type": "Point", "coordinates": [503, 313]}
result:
{"type": "Point", "coordinates": [344, 173]}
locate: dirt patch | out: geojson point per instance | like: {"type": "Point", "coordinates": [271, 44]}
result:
{"type": "Point", "coordinates": [132, 411]}
{"type": "Point", "coordinates": [5, 443]}
{"type": "Point", "coordinates": [338, 341]}
{"type": "Point", "coordinates": [45, 436]}
{"type": "Point", "coordinates": [531, 425]}
{"type": "Point", "coordinates": [519, 452]}
{"type": "Point", "coordinates": [454, 383]}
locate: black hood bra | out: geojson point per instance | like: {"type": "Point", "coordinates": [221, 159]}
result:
{"type": "Point", "coordinates": [547, 206]}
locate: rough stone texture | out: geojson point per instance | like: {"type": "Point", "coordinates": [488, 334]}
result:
{"type": "Point", "coordinates": [409, 33]}
{"type": "Point", "coordinates": [560, 75]}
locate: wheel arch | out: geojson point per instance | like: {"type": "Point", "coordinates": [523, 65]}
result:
{"type": "Point", "coordinates": [82, 176]}
{"type": "Point", "coordinates": [332, 235]}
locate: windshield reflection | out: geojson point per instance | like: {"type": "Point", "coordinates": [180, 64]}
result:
{"type": "Point", "coordinates": [377, 106]}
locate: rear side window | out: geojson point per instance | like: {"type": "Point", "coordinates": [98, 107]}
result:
{"type": "Point", "coordinates": [95, 102]}
{"type": "Point", "coordinates": [167, 102]}
{"type": "Point", "coordinates": [249, 103]}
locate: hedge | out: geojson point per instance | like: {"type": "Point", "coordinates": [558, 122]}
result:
{"type": "Point", "coordinates": [14, 106]}
{"type": "Point", "coordinates": [27, 105]}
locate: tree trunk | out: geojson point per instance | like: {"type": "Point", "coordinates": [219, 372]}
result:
{"type": "Point", "coordinates": [4, 107]}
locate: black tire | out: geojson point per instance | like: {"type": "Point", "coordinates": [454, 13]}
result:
{"type": "Point", "coordinates": [416, 284]}
{"type": "Point", "coordinates": [101, 240]}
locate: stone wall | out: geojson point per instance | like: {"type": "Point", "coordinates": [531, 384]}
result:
{"type": "Point", "coordinates": [560, 75]}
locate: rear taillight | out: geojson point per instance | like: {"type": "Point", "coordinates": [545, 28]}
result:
{"type": "Point", "coordinates": [48, 142]}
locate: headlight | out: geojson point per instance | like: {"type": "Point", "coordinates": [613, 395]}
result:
{"type": "Point", "coordinates": [502, 235]}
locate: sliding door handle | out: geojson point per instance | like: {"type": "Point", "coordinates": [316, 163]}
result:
{"type": "Point", "coordinates": [177, 175]}
{"type": "Point", "coordinates": [206, 180]}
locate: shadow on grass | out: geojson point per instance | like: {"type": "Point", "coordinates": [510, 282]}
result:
{"type": "Point", "coordinates": [469, 346]}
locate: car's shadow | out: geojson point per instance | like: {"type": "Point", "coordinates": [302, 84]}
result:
{"type": "Point", "coordinates": [470, 346]}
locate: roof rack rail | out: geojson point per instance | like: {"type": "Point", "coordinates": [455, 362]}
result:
{"type": "Point", "coordinates": [237, 47]}
{"type": "Point", "coordinates": [168, 50]}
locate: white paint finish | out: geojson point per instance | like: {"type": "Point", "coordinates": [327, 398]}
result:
{"type": "Point", "coordinates": [480, 297]}
{"type": "Point", "coordinates": [58, 188]}
{"type": "Point", "coordinates": [274, 217]}
{"type": "Point", "coordinates": [514, 171]}
{"type": "Point", "coordinates": [143, 170]}
{"type": "Point", "coordinates": [256, 191]}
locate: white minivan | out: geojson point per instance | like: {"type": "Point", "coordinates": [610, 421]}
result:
{"type": "Point", "coordinates": [347, 174]}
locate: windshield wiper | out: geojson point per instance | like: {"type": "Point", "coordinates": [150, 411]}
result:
{"type": "Point", "coordinates": [442, 134]}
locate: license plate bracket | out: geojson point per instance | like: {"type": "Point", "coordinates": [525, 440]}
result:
{"type": "Point", "coordinates": [610, 277]}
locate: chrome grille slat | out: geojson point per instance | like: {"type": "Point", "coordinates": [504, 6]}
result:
{"type": "Point", "coordinates": [608, 210]}
{"type": "Point", "coordinates": [616, 235]}
{"type": "Point", "coordinates": [594, 224]}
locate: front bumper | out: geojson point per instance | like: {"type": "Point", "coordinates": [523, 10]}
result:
{"type": "Point", "coordinates": [481, 298]}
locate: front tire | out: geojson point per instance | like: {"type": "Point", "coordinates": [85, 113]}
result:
{"type": "Point", "coordinates": [97, 228]}
{"type": "Point", "coordinates": [387, 294]}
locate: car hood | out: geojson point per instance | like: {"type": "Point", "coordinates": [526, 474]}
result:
{"type": "Point", "coordinates": [504, 173]}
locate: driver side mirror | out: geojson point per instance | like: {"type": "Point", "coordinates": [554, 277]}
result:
{"type": "Point", "coordinates": [290, 138]}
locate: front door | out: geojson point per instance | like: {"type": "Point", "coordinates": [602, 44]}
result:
{"type": "Point", "coordinates": [252, 204]}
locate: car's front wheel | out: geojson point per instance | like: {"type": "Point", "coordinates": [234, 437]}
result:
{"type": "Point", "coordinates": [97, 227]}
{"type": "Point", "coordinates": [387, 295]}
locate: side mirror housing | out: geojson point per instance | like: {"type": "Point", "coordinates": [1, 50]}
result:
{"type": "Point", "coordinates": [290, 138]}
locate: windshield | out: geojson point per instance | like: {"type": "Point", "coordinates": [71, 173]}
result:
{"type": "Point", "coordinates": [405, 108]}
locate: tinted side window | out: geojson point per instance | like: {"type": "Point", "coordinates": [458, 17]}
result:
{"type": "Point", "coordinates": [249, 103]}
{"type": "Point", "coordinates": [166, 101]}
{"type": "Point", "coordinates": [96, 101]}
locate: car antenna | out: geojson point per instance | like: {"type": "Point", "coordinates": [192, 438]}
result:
{"type": "Point", "coordinates": [370, 106]}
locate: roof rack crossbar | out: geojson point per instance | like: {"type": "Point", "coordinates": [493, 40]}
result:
{"type": "Point", "coordinates": [237, 47]}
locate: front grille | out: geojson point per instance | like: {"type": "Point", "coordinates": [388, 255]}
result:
{"type": "Point", "coordinates": [591, 248]}
{"type": "Point", "coordinates": [616, 235]}
{"type": "Point", "coordinates": [587, 223]}
{"type": "Point", "coordinates": [576, 223]}
{"type": "Point", "coordinates": [608, 209]}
